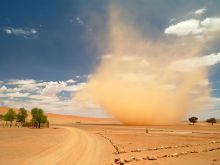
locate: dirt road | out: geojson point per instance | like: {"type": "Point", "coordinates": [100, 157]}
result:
{"type": "Point", "coordinates": [78, 148]}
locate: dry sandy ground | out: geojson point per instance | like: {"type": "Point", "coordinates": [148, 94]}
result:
{"type": "Point", "coordinates": [94, 142]}
{"type": "Point", "coordinates": [179, 144]}
{"type": "Point", "coordinates": [57, 145]}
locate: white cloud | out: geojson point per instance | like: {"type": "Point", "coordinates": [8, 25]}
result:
{"type": "Point", "coordinates": [71, 81]}
{"type": "Point", "coordinates": [52, 96]}
{"type": "Point", "coordinates": [52, 88]}
{"type": "Point", "coordinates": [16, 94]}
{"type": "Point", "coordinates": [172, 20]}
{"type": "Point", "coordinates": [74, 88]}
{"type": "Point", "coordinates": [3, 89]}
{"type": "Point", "coordinates": [189, 64]}
{"type": "Point", "coordinates": [79, 21]}
{"type": "Point", "coordinates": [204, 82]}
{"type": "Point", "coordinates": [194, 27]}
{"type": "Point", "coordinates": [215, 99]}
{"type": "Point", "coordinates": [26, 84]}
{"type": "Point", "coordinates": [106, 56]}
{"type": "Point", "coordinates": [211, 24]}
{"type": "Point", "coordinates": [21, 82]}
{"type": "Point", "coordinates": [89, 76]}
{"type": "Point", "coordinates": [184, 28]}
{"type": "Point", "coordinates": [200, 11]}
{"type": "Point", "coordinates": [21, 32]}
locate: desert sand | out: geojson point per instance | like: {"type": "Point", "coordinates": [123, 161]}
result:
{"type": "Point", "coordinates": [88, 141]}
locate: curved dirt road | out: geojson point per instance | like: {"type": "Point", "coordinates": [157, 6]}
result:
{"type": "Point", "coordinates": [78, 148]}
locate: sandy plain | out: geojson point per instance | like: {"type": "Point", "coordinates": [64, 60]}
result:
{"type": "Point", "coordinates": [88, 141]}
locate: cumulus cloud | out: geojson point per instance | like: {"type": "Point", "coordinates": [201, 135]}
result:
{"type": "Point", "coordinates": [74, 88]}
{"type": "Point", "coordinates": [21, 32]}
{"type": "Point", "coordinates": [16, 95]}
{"type": "Point", "coordinates": [200, 11]}
{"type": "Point", "coordinates": [187, 65]}
{"type": "Point", "coordinates": [3, 88]}
{"type": "Point", "coordinates": [71, 81]}
{"type": "Point", "coordinates": [194, 27]}
{"type": "Point", "coordinates": [21, 82]}
{"type": "Point", "coordinates": [53, 96]}
{"type": "Point", "coordinates": [52, 88]}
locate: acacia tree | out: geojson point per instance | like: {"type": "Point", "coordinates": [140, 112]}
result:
{"type": "Point", "coordinates": [10, 116]}
{"type": "Point", "coordinates": [22, 115]}
{"type": "Point", "coordinates": [38, 117]}
{"type": "Point", "coordinates": [211, 120]}
{"type": "Point", "coordinates": [193, 120]}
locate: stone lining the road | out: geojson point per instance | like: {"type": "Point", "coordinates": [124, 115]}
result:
{"type": "Point", "coordinates": [116, 147]}
{"type": "Point", "coordinates": [154, 157]}
{"type": "Point", "coordinates": [170, 147]}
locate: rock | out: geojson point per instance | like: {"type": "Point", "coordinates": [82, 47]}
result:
{"type": "Point", "coordinates": [120, 152]}
{"type": "Point", "coordinates": [138, 159]}
{"type": "Point", "coordinates": [152, 157]}
{"type": "Point", "coordinates": [121, 163]}
{"type": "Point", "coordinates": [127, 160]}
{"type": "Point", "coordinates": [117, 159]}
{"type": "Point", "coordinates": [164, 156]}
{"type": "Point", "coordinates": [183, 153]}
{"type": "Point", "coordinates": [175, 154]}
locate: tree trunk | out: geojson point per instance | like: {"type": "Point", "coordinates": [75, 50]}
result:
{"type": "Point", "coordinates": [10, 124]}
{"type": "Point", "coordinates": [39, 125]}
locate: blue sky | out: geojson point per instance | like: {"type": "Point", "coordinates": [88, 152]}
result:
{"type": "Point", "coordinates": [48, 48]}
